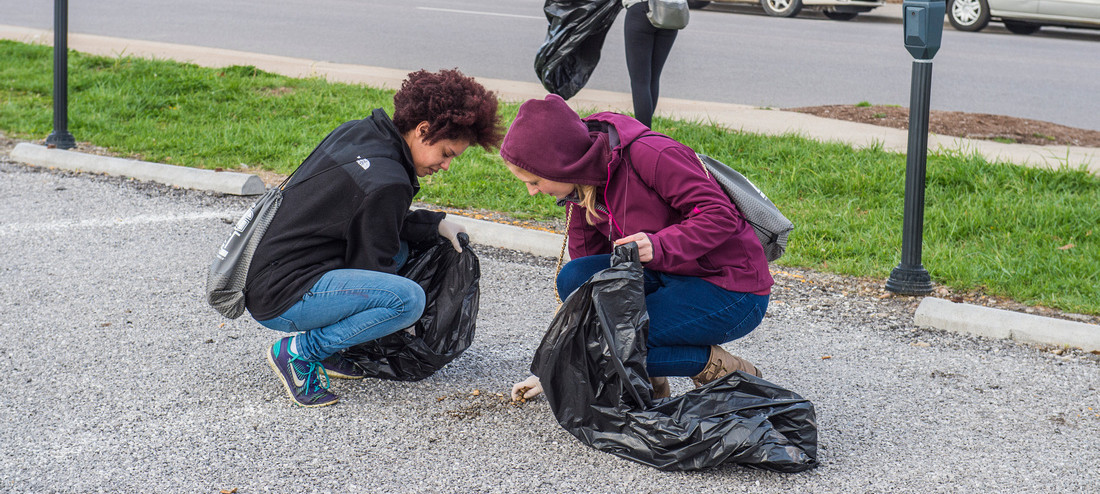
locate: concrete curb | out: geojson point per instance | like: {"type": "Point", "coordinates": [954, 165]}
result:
{"type": "Point", "coordinates": [996, 323]}
{"type": "Point", "coordinates": [534, 242]}
{"type": "Point", "coordinates": [235, 183]}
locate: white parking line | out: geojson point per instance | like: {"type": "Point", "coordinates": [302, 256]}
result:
{"type": "Point", "coordinates": [541, 18]}
{"type": "Point", "coordinates": [52, 226]}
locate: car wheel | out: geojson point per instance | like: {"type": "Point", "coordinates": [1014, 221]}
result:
{"type": "Point", "coordinates": [1020, 27]}
{"type": "Point", "coordinates": [782, 8]}
{"type": "Point", "coordinates": [840, 16]}
{"type": "Point", "coordinates": [968, 15]}
{"type": "Point", "coordinates": [697, 4]}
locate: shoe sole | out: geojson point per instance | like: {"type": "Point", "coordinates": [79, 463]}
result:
{"type": "Point", "coordinates": [289, 391]}
{"type": "Point", "coordinates": [339, 375]}
{"type": "Point", "coordinates": [336, 375]}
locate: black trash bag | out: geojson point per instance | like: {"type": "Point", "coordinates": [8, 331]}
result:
{"type": "Point", "coordinates": [573, 43]}
{"type": "Point", "coordinates": [592, 367]}
{"type": "Point", "coordinates": [451, 284]}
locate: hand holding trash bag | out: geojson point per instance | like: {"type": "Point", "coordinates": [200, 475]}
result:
{"type": "Point", "coordinates": [450, 230]}
{"type": "Point", "coordinates": [645, 246]}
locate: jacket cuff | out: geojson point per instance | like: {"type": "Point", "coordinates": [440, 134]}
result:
{"type": "Point", "coordinates": [421, 228]}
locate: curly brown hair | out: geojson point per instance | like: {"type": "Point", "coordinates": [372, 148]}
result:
{"type": "Point", "coordinates": [454, 105]}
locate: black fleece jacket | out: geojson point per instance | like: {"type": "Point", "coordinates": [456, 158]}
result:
{"type": "Point", "coordinates": [347, 207]}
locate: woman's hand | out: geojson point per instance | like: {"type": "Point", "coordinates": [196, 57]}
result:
{"type": "Point", "coordinates": [450, 231]}
{"type": "Point", "coordinates": [645, 246]}
{"type": "Point", "coordinates": [526, 389]}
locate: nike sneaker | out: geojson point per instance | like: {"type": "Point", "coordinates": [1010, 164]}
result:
{"type": "Point", "coordinates": [301, 378]}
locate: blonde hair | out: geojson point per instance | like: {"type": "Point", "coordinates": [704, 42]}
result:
{"type": "Point", "coordinates": [587, 196]}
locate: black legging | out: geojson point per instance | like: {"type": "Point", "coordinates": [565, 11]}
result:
{"type": "Point", "coordinates": [646, 51]}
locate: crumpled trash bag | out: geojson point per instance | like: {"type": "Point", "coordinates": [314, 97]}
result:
{"type": "Point", "coordinates": [592, 367]}
{"type": "Point", "coordinates": [573, 43]}
{"type": "Point", "coordinates": [451, 284]}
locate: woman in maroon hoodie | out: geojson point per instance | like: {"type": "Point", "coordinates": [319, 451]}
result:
{"type": "Point", "coordinates": [707, 280]}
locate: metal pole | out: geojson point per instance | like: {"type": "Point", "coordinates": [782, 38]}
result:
{"type": "Point", "coordinates": [60, 137]}
{"type": "Point", "coordinates": [910, 277]}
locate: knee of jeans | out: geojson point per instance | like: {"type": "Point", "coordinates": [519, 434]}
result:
{"type": "Point", "coordinates": [574, 273]}
{"type": "Point", "coordinates": [413, 300]}
{"type": "Point", "coordinates": [564, 284]}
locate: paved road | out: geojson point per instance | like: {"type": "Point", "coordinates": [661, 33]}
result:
{"type": "Point", "coordinates": [119, 379]}
{"type": "Point", "coordinates": [744, 58]}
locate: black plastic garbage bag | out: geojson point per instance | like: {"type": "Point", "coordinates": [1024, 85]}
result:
{"type": "Point", "coordinates": [451, 283]}
{"type": "Point", "coordinates": [573, 43]}
{"type": "Point", "coordinates": [592, 367]}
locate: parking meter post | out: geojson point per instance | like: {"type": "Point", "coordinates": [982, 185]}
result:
{"type": "Point", "coordinates": [60, 137]}
{"type": "Point", "coordinates": [922, 24]}
{"type": "Point", "coordinates": [910, 277]}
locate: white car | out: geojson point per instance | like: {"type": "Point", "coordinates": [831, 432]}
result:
{"type": "Point", "coordinates": [840, 10]}
{"type": "Point", "coordinates": [1023, 16]}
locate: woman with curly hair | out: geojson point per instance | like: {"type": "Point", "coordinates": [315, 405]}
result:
{"type": "Point", "coordinates": [325, 270]}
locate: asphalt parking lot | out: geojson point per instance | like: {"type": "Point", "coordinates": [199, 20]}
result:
{"type": "Point", "coordinates": [118, 378]}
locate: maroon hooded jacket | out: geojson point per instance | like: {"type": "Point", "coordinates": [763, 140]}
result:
{"type": "Point", "coordinates": [660, 188]}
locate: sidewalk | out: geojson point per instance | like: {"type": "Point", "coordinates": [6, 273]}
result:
{"type": "Point", "coordinates": [935, 313]}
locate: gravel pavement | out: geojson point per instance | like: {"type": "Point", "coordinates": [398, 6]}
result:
{"type": "Point", "coordinates": [118, 378]}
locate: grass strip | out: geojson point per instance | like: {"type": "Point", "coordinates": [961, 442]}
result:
{"type": "Point", "coordinates": [1023, 233]}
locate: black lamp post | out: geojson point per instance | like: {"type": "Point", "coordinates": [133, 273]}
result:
{"type": "Point", "coordinates": [923, 25]}
{"type": "Point", "coordinates": [60, 137]}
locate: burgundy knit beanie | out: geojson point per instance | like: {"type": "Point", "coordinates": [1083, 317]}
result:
{"type": "Point", "coordinates": [550, 140]}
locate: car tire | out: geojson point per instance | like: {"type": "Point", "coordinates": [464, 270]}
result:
{"type": "Point", "coordinates": [781, 8]}
{"type": "Point", "coordinates": [697, 4]}
{"type": "Point", "coordinates": [968, 15]}
{"type": "Point", "coordinates": [839, 16]}
{"type": "Point", "coordinates": [1021, 27]}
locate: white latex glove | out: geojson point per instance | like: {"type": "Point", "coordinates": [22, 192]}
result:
{"type": "Point", "coordinates": [526, 389]}
{"type": "Point", "coordinates": [450, 231]}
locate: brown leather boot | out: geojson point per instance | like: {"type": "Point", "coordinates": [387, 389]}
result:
{"type": "Point", "coordinates": [661, 389]}
{"type": "Point", "coordinates": [722, 363]}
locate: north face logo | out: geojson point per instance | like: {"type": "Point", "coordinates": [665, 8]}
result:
{"type": "Point", "coordinates": [363, 162]}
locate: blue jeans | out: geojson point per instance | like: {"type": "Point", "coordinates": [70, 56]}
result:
{"type": "Point", "coordinates": [686, 315]}
{"type": "Point", "coordinates": [347, 307]}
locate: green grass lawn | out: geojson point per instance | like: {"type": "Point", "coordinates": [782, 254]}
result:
{"type": "Point", "coordinates": [1023, 233]}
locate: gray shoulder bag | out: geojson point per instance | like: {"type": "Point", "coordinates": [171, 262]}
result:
{"type": "Point", "coordinates": [668, 14]}
{"type": "Point", "coordinates": [769, 224]}
{"type": "Point", "coordinates": [229, 271]}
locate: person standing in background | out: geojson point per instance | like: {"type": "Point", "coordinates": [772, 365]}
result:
{"type": "Point", "coordinates": [647, 49]}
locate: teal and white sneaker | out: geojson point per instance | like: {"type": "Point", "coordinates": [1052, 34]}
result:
{"type": "Point", "coordinates": [301, 378]}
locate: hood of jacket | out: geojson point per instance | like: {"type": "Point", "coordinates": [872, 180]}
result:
{"type": "Point", "coordinates": [622, 130]}
{"type": "Point", "coordinates": [550, 140]}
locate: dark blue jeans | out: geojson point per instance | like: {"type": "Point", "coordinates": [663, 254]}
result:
{"type": "Point", "coordinates": [686, 315]}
